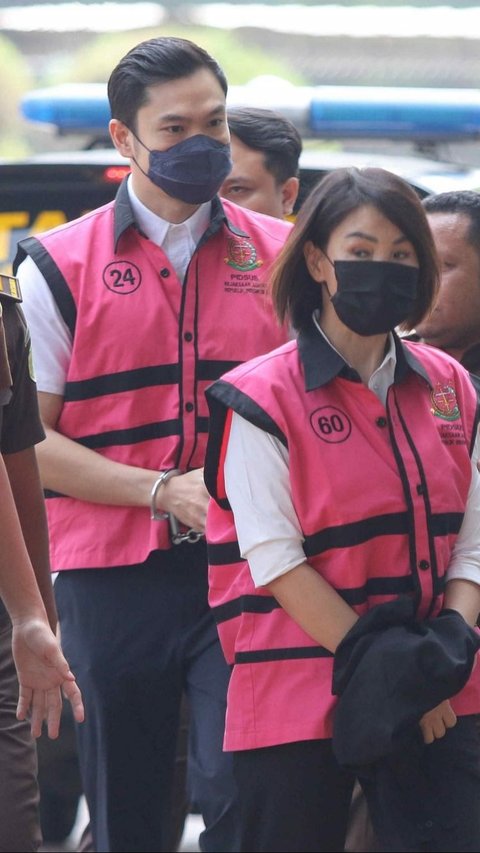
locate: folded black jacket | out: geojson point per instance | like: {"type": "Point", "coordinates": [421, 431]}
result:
{"type": "Point", "coordinates": [388, 671]}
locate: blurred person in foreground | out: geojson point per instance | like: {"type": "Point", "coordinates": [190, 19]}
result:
{"type": "Point", "coordinates": [266, 148]}
{"type": "Point", "coordinates": [347, 613]}
{"type": "Point", "coordinates": [134, 310]}
{"type": "Point", "coordinates": [32, 667]}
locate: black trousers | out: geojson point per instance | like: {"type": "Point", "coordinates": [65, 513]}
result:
{"type": "Point", "coordinates": [136, 638]}
{"type": "Point", "coordinates": [294, 797]}
{"type": "Point", "coordinates": [427, 798]}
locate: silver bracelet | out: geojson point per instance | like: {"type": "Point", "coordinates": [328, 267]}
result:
{"type": "Point", "coordinates": [155, 515]}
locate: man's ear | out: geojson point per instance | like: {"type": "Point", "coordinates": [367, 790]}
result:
{"type": "Point", "coordinates": [289, 195]}
{"type": "Point", "coordinates": [315, 261]}
{"type": "Point", "coordinates": [122, 137]}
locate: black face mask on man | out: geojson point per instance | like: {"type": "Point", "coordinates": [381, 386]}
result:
{"type": "Point", "coordinates": [373, 297]}
{"type": "Point", "coordinates": [192, 171]}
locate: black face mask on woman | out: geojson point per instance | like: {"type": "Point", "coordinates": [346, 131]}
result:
{"type": "Point", "coordinates": [374, 296]}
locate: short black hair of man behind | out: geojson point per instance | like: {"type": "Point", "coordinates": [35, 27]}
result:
{"type": "Point", "coordinates": [273, 134]}
{"type": "Point", "coordinates": [461, 202]}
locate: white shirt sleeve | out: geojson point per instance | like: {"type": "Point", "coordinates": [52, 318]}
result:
{"type": "Point", "coordinates": [51, 339]}
{"type": "Point", "coordinates": [257, 484]}
{"type": "Point", "coordinates": [465, 560]}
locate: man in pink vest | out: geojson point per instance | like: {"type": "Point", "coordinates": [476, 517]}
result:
{"type": "Point", "coordinates": [134, 310]}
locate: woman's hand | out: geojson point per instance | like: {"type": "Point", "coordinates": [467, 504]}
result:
{"type": "Point", "coordinates": [43, 673]}
{"type": "Point", "coordinates": [435, 723]}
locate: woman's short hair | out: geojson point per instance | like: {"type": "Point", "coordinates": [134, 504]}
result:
{"type": "Point", "coordinates": [295, 293]}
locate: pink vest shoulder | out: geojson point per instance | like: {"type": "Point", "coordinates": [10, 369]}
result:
{"type": "Point", "coordinates": [248, 220]}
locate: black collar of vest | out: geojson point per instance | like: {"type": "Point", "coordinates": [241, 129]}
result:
{"type": "Point", "coordinates": [124, 217]}
{"type": "Point", "coordinates": [322, 363]}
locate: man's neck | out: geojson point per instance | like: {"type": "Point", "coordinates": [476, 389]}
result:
{"type": "Point", "coordinates": [170, 209]}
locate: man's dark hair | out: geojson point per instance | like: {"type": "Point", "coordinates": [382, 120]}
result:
{"type": "Point", "coordinates": [465, 202]}
{"type": "Point", "coordinates": [157, 60]}
{"type": "Point", "coordinates": [271, 133]}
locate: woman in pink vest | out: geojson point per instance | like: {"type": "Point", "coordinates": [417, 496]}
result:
{"type": "Point", "coordinates": [344, 542]}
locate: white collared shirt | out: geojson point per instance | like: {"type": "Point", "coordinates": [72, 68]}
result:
{"type": "Point", "coordinates": [178, 241]}
{"type": "Point", "coordinates": [51, 338]}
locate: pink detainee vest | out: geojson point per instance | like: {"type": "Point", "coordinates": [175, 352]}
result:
{"type": "Point", "coordinates": [380, 494]}
{"type": "Point", "coordinates": [145, 347]}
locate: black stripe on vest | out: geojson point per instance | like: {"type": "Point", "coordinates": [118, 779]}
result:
{"type": "Point", "coordinates": [212, 370]}
{"type": "Point", "coordinates": [224, 554]}
{"type": "Point", "coordinates": [356, 532]}
{"type": "Point", "coordinates": [347, 535]}
{"type": "Point", "coordinates": [54, 278]}
{"type": "Point", "coordinates": [244, 604]}
{"type": "Point", "coordinates": [230, 397]}
{"type": "Point", "coordinates": [126, 380]}
{"type": "Point", "coordinates": [354, 596]}
{"type": "Point", "coordinates": [444, 523]}
{"type": "Point", "coordinates": [301, 653]}
{"type": "Point", "coordinates": [381, 586]}
{"type": "Point", "coordinates": [134, 435]}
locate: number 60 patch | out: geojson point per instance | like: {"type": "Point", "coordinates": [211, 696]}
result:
{"type": "Point", "coordinates": [331, 424]}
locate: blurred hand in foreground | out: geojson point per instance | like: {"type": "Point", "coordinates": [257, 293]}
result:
{"type": "Point", "coordinates": [43, 674]}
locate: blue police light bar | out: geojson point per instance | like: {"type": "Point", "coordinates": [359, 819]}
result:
{"type": "Point", "coordinates": [69, 108]}
{"type": "Point", "coordinates": [327, 112]}
{"type": "Point", "coordinates": [394, 113]}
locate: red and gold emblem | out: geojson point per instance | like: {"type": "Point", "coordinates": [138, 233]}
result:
{"type": "Point", "coordinates": [444, 402]}
{"type": "Point", "coordinates": [242, 254]}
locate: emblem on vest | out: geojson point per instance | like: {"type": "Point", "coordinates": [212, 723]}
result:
{"type": "Point", "coordinates": [444, 402]}
{"type": "Point", "coordinates": [122, 277]}
{"type": "Point", "coordinates": [242, 254]}
{"type": "Point", "coordinates": [331, 424]}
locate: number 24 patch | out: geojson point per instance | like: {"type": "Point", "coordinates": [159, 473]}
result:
{"type": "Point", "coordinates": [122, 277]}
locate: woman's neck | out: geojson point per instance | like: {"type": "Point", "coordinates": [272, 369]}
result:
{"type": "Point", "coordinates": [364, 353]}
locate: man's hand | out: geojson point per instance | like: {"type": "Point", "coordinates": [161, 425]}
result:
{"type": "Point", "coordinates": [42, 674]}
{"type": "Point", "coordinates": [186, 496]}
{"type": "Point", "coordinates": [435, 723]}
